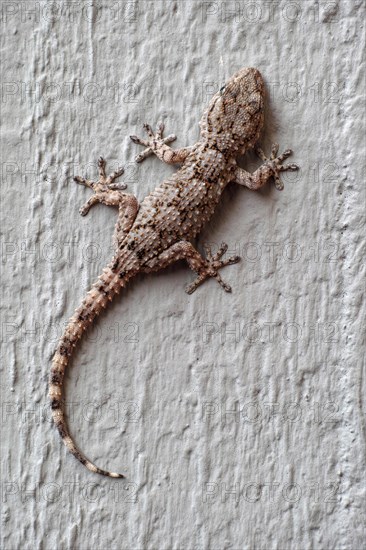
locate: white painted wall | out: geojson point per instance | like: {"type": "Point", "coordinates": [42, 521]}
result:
{"type": "Point", "coordinates": [153, 388]}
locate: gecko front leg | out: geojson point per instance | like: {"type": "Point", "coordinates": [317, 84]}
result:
{"type": "Point", "coordinates": [110, 194]}
{"type": "Point", "coordinates": [157, 145]}
{"type": "Point", "coordinates": [272, 167]}
{"type": "Point", "coordinates": [204, 267]}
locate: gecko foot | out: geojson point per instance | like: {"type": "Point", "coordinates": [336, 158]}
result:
{"type": "Point", "coordinates": [213, 264]}
{"type": "Point", "coordinates": [103, 188]}
{"type": "Point", "coordinates": [275, 162]}
{"type": "Point", "coordinates": [154, 142]}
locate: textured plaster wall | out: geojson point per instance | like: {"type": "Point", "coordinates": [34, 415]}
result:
{"type": "Point", "coordinates": [237, 419]}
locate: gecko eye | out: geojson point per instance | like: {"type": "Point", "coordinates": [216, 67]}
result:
{"type": "Point", "coordinates": [222, 89]}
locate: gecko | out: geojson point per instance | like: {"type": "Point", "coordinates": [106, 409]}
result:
{"type": "Point", "coordinates": [152, 234]}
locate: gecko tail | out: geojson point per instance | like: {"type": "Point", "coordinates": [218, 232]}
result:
{"type": "Point", "coordinates": [60, 423]}
{"type": "Point", "coordinates": [107, 286]}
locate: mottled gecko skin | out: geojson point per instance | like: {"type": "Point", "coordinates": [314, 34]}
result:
{"type": "Point", "coordinates": [157, 232]}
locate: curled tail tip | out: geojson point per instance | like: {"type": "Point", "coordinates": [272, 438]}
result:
{"type": "Point", "coordinates": [97, 470]}
{"type": "Point", "coordinates": [117, 476]}
{"type": "Point", "coordinates": [92, 468]}
{"type": "Point", "coordinates": [68, 441]}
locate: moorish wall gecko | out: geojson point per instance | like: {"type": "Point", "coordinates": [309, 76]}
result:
{"type": "Point", "coordinates": [151, 235]}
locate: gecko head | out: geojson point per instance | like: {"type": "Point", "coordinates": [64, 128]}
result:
{"type": "Point", "coordinates": [234, 116]}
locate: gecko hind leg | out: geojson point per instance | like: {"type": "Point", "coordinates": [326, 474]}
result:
{"type": "Point", "coordinates": [105, 190]}
{"type": "Point", "coordinates": [204, 267]}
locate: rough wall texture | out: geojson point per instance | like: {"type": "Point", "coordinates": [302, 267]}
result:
{"type": "Point", "coordinates": [237, 418]}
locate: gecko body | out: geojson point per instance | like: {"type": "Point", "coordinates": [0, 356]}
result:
{"type": "Point", "coordinates": [157, 232]}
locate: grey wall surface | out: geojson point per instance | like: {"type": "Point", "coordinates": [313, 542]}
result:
{"type": "Point", "coordinates": [237, 419]}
